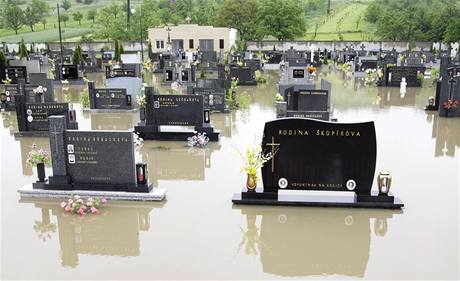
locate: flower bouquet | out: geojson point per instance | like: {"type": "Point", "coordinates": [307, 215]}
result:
{"type": "Point", "coordinates": [451, 104]}
{"type": "Point", "coordinates": [77, 205]}
{"type": "Point", "coordinates": [253, 160]}
{"type": "Point", "coordinates": [198, 140]}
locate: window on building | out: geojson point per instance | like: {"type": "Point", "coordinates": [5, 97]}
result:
{"type": "Point", "coordinates": [221, 43]}
{"type": "Point", "coordinates": [160, 44]}
{"type": "Point", "coordinates": [190, 44]}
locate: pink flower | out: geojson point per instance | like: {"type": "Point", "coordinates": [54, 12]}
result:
{"type": "Point", "coordinates": [63, 204]}
{"type": "Point", "coordinates": [68, 209]}
{"type": "Point", "coordinates": [81, 212]}
{"type": "Point", "coordinates": [94, 210]}
{"type": "Point", "coordinates": [104, 200]}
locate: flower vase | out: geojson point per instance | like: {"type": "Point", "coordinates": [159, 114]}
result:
{"type": "Point", "coordinates": [41, 172]}
{"type": "Point", "coordinates": [142, 113]}
{"type": "Point", "coordinates": [72, 115]}
{"type": "Point", "coordinates": [38, 98]}
{"type": "Point", "coordinates": [251, 183]}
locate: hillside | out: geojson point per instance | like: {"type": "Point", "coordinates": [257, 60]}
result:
{"type": "Point", "coordinates": [346, 22]}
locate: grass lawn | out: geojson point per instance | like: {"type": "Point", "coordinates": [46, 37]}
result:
{"type": "Point", "coordinates": [73, 29]}
{"type": "Point", "coordinates": [346, 18]}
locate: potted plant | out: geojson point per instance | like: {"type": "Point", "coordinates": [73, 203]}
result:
{"type": "Point", "coordinates": [254, 159]}
{"type": "Point", "coordinates": [38, 157]}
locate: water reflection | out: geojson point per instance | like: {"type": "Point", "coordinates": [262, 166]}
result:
{"type": "Point", "coordinates": [325, 241]}
{"type": "Point", "coordinates": [176, 161]}
{"type": "Point", "coordinates": [391, 96]}
{"type": "Point", "coordinates": [114, 232]}
{"type": "Point", "coordinates": [112, 121]}
{"type": "Point", "coordinates": [446, 133]}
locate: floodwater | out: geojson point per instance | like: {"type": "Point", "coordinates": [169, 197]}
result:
{"type": "Point", "coordinates": [198, 234]}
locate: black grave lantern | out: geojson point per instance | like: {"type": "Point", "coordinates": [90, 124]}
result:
{"type": "Point", "coordinates": [141, 173]}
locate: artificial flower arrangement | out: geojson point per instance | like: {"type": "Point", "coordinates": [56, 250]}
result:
{"type": "Point", "coordinates": [254, 159]}
{"type": "Point", "coordinates": [198, 140]}
{"type": "Point", "coordinates": [141, 100]}
{"type": "Point", "coordinates": [451, 104]}
{"type": "Point", "coordinates": [37, 156]}
{"type": "Point", "coordinates": [346, 67]}
{"type": "Point", "coordinates": [175, 86]}
{"type": "Point", "coordinates": [138, 141]}
{"type": "Point", "coordinates": [311, 69]}
{"type": "Point", "coordinates": [370, 76]}
{"type": "Point", "coordinates": [147, 64]}
{"type": "Point", "coordinates": [77, 205]}
{"type": "Point", "coordinates": [279, 97]}
{"type": "Point", "coordinates": [40, 90]}
{"type": "Point", "coordinates": [7, 81]}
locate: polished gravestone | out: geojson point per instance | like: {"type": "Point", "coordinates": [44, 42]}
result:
{"type": "Point", "coordinates": [69, 72]}
{"type": "Point", "coordinates": [213, 99]}
{"type": "Point", "coordinates": [108, 99]}
{"type": "Point", "coordinates": [392, 76]}
{"type": "Point", "coordinates": [14, 73]}
{"type": "Point", "coordinates": [306, 103]}
{"type": "Point", "coordinates": [93, 161]}
{"type": "Point", "coordinates": [8, 97]}
{"type": "Point", "coordinates": [244, 74]}
{"type": "Point", "coordinates": [319, 163]}
{"type": "Point", "coordinates": [449, 89]}
{"type": "Point", "coordinates": [176, 111]}
{"type": "Point", "coordinates": [33, 118]}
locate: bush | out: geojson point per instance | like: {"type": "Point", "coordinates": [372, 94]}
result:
{"type": "Point", "coordinates": [84, 99]}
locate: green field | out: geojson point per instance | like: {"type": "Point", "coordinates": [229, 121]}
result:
{"type": "Point", "coordinates": [346, 22]}
{"type": "Point", "coordinates": [72, 31]}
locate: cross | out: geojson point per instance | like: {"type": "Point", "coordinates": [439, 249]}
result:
{"type": "Point", "coordinates": [363, 47]}
{"type": "Point", "coordinates": [55, 133]}
{"type": "Point", "coordinates": [273, 145]}
{"type": "Point", "coordinates": [452, 83]}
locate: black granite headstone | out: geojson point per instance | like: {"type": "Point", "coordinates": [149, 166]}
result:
{"type": "Point", "coordinates": [314, 155]}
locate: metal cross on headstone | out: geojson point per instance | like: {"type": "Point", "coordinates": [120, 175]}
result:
{"type": "Point", "coordinates": [273, 145]}
{"type": "Point", "coordinates": [452, 83]}
{"type": "Point", "coordinates": [55, 133]}
{"type": "Point", "coordinates": [363, 47]}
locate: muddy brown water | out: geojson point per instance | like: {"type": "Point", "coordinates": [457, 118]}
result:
{"type": "Point", "coordinates": [198, 234]}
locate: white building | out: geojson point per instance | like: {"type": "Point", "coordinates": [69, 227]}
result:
{"type": "Point", "coordinates": [190, 37]}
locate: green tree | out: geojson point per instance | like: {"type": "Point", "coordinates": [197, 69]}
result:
{"type": "Point", "coordinates": [204, 12]}
{"type": "Point", "coordinates": [91, 15]}
{"type": "Point", "coordinates": [77, 57]}
{"type": "Point", "coordinates": [23, 50]}
{"type": "Point", "coordinates": [13, 17]}
{"type": "Point", "coordinates": [452, 33]}
{"type": "Point", "coordinates": [64, 19]}
{"type": "Point", "coordinates": [242, 15]}
{"type": "Point", "coordinates": [117, 56]}
{"type": "Point", "coordinates": [77, 16]}
{"type": "Point", "coordinates": [3, 58]}
{"type": "Point", "coordinates": [30, 17]}
{"type": "Point", "coordinates": [66, 5]}
{"type": "Point", "coordinates": [283, 19]}
{"type": "Point", "coordinates": [149, 49]}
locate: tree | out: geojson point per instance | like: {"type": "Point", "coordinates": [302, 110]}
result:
{"type": "Point", "coordinates": [242, 15]}
{"type": "Point", "coordinates": [283, 19]}
{"type": "Point", "coordinates": [77, 16]}
{"type": "Point", "coordinates": [91, 15]}
{"type": "Point", "coordinates": [23, 50]}
{"type": "Point", "coordinates": [3, 58]}
{"type": "Point", "coordinates": [204, 12]}
{"type": "Point", "coordinates": [13, 17]}
{"type": "Point", "coordinates": [149, 49]}
{"type": "Point", "coordinates": [30, 17]}
{"type": "Point", "coordinates": [64, 19]}
{"type": "Point", "coordinates": [77, 57]}
{"type": "Point", "coordinates": [43, 21]}
{"type": "Point", "coordinates": [117, 56]}
{"type": "Point", "coordinates": [452, 33]}
{"type": "Point", "coordinates": [66, 5]}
